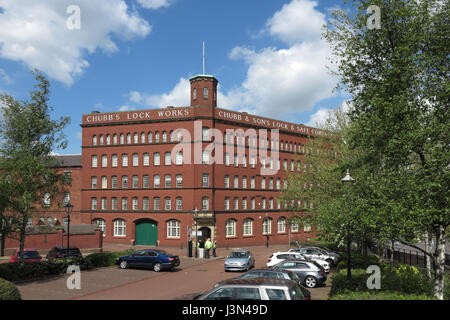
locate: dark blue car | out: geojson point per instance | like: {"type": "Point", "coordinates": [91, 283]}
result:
{"type": "Point", "coordinates": [149, 258]}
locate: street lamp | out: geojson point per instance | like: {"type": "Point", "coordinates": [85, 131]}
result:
{"type": "Point", "coordinates": [68, 207]}
{"type": "Point", "coordinates": [196, 233]}
{"type": "Point", "coordinates": [348, 180]}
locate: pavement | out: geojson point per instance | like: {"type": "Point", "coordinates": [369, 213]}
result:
{"type": "Point", "coordinates": [115, 283]}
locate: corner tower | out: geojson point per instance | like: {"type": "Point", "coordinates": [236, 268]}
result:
{"type": "Point", "coordinates": [203, 90]}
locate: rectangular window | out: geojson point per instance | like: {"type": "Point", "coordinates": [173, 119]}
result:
{"type": "Point", "coordinates": [104, 161]}
{"type": "Point", "coordinates": [252, 183]}
{"type": "Point", "coordinates": [145, 182]}
{"type": "Point", "coordinates": [134, 204]}
{"type": "Point", "coordinates": [94, 161]}
{"type": "Point", "coordinates": [179, 159]}
{"type": "Point", "coordinates": [167, 159]}
{"type": "Point", "coordinates": [135, 182]}
{"type": "Point", "coordinates": [205, 203]}
{"type": "Point", "coordinates": [124, 203]}
{"type": "Point", "coordinates": [103, 203]}
{"type": "Point", "coordinates": [135, 160]}
{"type": "Point", "coordinates": [124, 160]}
{"type": "Point", "coordinates": [244, 203]}
{"type": "Point", "coordinates": [146, 159]}
{"type": "Point", "coordinates": [124, 182]}
{"type": "Point", "coordinates": [167, 204]}
{"type": "Point", "coordinates": [244, 182]}
{"type": "Point", "coordinates": [205, 157]}
{"type": "Point", "coordinates": [113, 203]}
{"type": "Point", "coordinates": [236, 182]}
{"type": "Point", "coordinates": [114, 160]}
{"type": "Point", "coordinates": [104, 182]}
{"type": "Point", "coordinates": [156, 203]}
{"type": "Point", "coordinates": [93, 203]}
{"type": "Point", "coordinates": [205, 180]}
{"type": "Point", "coordinates": [179, 181]}
{"type": "Point", "coordinates": [179, 203]}
{"type": "Point", "coordinates": [145, 203]}
{"type": "Point", "coordinates": [156, 159]}
{"type": "Point", "coordinates": [93, 182]}
{"type": "Point", "coordinates": [114, 182]}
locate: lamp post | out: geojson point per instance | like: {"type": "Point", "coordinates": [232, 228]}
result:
{"type": "Point", "coordinates": [348, 180]}
{"type": "Point", "coordinates": [196, 233]}
{"type": "Point", "coordinates": [68, 207]}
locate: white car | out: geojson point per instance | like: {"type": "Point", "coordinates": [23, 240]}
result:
{"type": "Point", "coordinates": [280, 256]}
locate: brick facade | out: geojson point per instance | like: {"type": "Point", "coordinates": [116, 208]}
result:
{"type": "Point", "coordinates": [108, 137]}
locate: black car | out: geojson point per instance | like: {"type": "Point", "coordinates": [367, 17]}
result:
{"type": "Point", "coordinates": [149, 258]}
{"type": "Point", "coordinates": [270, 273]}
{"type": "Point", "coordinates": [63, 252]}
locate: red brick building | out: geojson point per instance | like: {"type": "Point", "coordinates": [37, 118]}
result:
{"type": "Point", "coordinates": [148, 176]}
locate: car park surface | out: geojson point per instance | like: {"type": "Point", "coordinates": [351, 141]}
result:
{"type": "Point", "coordinates": [113, 283]}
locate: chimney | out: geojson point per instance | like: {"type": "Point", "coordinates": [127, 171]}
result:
{"type": "Point", "coordinates": [203, 90]}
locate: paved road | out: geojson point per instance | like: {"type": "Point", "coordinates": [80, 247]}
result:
{"type": "Point", "coordinates": [194, 275]}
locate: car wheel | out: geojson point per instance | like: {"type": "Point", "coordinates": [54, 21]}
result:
{"type": "Point", "coordinates": [330, 262]}
{"type": "Point", "coordinates": [123, 265]}
{"type": "Point", "coordinates": [157, 267]}
{"type": "Point", "coordinates": [310, 282]}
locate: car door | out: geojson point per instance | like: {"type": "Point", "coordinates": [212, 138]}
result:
{"type": "Point", "coordinates": [313, 254]}
{"type": "Point", "coordinates": [301, 269]}
{"type": "Point", "coordinates": [137, 259]}
{"type": "Point", "coordinates": [151, 258]}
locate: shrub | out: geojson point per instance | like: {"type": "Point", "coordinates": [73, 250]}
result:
{"type": "Point", "coordinates": [358, 261]}
{"type": "Point", "coordinates": [8, 291]}
{"type": "Point", "coordinates": [400, 278]}
{"type": "Point", "coordinates": [104, 259]}
{"type": "Point", "coordinates": [379, 295]}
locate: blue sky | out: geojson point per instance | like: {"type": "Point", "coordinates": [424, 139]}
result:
{"type": "Point", "coordinates": [139, 54]}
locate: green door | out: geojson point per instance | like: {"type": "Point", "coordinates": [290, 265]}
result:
{"type": "Point", "coordinates": [146, 233]}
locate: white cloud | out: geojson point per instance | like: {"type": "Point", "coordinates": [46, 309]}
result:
{"type": "Point", "coordinates": [318, 118]}
{"type": "Point", "coordinates": [36, 33]}
{"type": "Point", "coordinates": [154, 4]}
{"type": "Point", "coordinates": [126, 108]}
{"type": "Point", "coordinates": [179, 96]}
{"type": "Point", "coordinates": [297, 21]}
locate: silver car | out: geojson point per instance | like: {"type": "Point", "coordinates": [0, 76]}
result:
{"type": "Point", "coordinates": [313, 253]}
{"type": "Point", "coordinates": [239, 260]}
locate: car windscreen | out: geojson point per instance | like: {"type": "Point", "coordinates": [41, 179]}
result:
{"type": "Point", "coordinates": [296, 293]}
{"type": "Point", "coordinates": [29, 255]}
{"type": "Point", "coordinates": [293, 276]}
{"type": "Point", "coordinates": [238, 255]}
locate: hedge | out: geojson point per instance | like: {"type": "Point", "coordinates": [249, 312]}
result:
{"type": "Point", "coordinates": [8, 291]}
{"type": "Point", "coordinates": [400, 278]}
{"type": "Point", "coordinates": [14, 271]}
{"type": "Point", "coordinates": [358, 261]}
{"type": "Point", "coordinates": [380, 295]}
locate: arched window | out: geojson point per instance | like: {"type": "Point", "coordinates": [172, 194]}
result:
{"type": "Point", "coordinates": [164, 136]}
{"type": "Point", "coordinates": [114, 138]}
{"type": "Point", "coordinates": [122, 138]}
{"type": "Point", "coordinates": [167, 203]}
{"type": "Point", "coordinates": [179, 203]}
{"type": "Point", "coordinates": [100, 139]}
{"type": "Point", "coordinates": [128, 138]}
{"type": "Point", "coordinates": [248, 227]}
{"type": "Point", "coordinates": [267, 226]}
{"type": "Point", "coordinates": [142, 137]}
{"type": "Point", "coordinates": [124, 203]}
{"type": "Point", "coordinates": [94, 140]}
{"type": "Point", "coordinates": [281, 225]}
{"type": "Point", "coordinates": [108, 139]}
{"type": "Point", "coordinates": [120, 228]}
{"type": "Point", "coordinates": [230, 228]}
{"type": "Point", "coordinates": [171, 136]}
{"type": "Point", "coordinates": [101, 224]}
{"type": "Point", "coordinates": [156, 136]}
{"type": "Point", "coordinates": [150, 137]}
{"type": "Point", "coordinates": [156, 181]}
{"type": "Point", "coordinates": [173, 229]}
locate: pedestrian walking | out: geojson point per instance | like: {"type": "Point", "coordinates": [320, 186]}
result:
{"type": "Point", "coordinates": [208, 245]}
{"type": "Point", "coordinates": [214, 248]}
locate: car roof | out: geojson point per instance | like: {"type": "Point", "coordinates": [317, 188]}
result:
{"type": "Point", "coordinates": [258, 281]}
{"type": "Point", "coordinates": [239, 250]}
{"type": "Point", "coordinates": [297, 260]}
{"type": "Point", "coordinates": [26, 249]}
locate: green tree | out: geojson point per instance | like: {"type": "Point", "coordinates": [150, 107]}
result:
{"type": "Point", "coordinates": [29, 136]}
{"type": "Point", "coordinates": [398, 79]}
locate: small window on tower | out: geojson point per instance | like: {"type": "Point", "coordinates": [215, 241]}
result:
{"type": "Point", "coordinates": [194, 94]}
{"type": "Point", "coordinates": [205, 93]}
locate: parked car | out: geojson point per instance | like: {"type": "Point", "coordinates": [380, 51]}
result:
{"type": "Point", "coordinates": [63, 252]}
{"type": "Point", "coordinates": [310, 273]}
{"type": "Point", "coordinates": [270, 273]}
{"type": "Point", "coordinates": [240, 260]}
{"type": "Point", "coordinates": [29, 255]}
{"type": "Point", "coordinates": [251, 289]}
{"type": "Point", "coordinates": [280, 256]}
{"type": "Point", "coordinates": [150, 258]}
{"type": "Point", "coordinates": [315, 253]}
